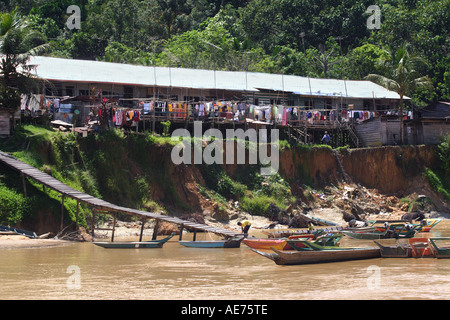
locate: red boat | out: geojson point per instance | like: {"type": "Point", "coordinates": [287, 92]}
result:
{"type": "Point", "coordinates": [279, 244]}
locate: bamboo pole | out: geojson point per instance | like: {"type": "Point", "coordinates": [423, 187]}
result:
{"type": "Point", "coordinates": [181, 231]}
{"type": "Point", "coordinates": [114, 227]}
{"type": "Point", "coordinates": [155, 230]}
{"type": "Point", "coordinates": [62, 211]}
{"type": "Point", "coordinates": [78, 210]}
{"type": "Point", "coordinates": [142, 230]}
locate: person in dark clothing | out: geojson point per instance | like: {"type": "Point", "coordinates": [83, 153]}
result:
{"type": "Point", "coordinates": [326, 138]}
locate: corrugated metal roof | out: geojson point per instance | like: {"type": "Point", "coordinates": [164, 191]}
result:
{"type": "Point", "coordinates": [71, 70]}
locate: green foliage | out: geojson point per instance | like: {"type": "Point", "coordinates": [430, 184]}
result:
{"type": "Point", "coordinates": [13, 206]}
{"type": "Point", "coordinates": [257, 206]}
{"type": "Point", "coordinates": [444, 153]}
{"type": "Point", "coordinates": [437, 183]}
{"type": "Point", "coordinates": [439, 176]}
{"type": "Point", "coordinates": [18, 42]}
{"type": "Point", "coordinates": [217, 179]}
{"type": "Point", "coordinates": [304, 37]}
{"type": "Point", "coordinates": [166, 127]}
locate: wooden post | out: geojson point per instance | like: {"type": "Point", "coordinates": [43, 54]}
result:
{"type": "Point", "coordinates": [195, 235]}
{"type": "Point", "coordinates": [181, 231]}
{"type": "Point", "coordinates": [93, 223]}
{"type": "Point", "coordinates": [78, 210]}
{"type": "Point", "coordinates": [62, 212]}
{"type": "Point", "coordinates": [24, 183]}
{"type": "Point", "coordinates": [142, 230]}
{"type": "Point", "coordinates": [155, 230]}
{"type": "Point", "coordinates": [114, 227]}
{"type": "Point", "coordinates": [153, 119]}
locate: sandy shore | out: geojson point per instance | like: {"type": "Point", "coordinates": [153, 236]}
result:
{"type": "Point", "coordinates": [19, 241]}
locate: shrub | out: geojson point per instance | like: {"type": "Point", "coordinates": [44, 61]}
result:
{"type": "Point", "coordinates": [436, 183]}
{"type": "Point", "coordinates": [259, 204]}
{"type": "Point", "coordinates": [13, 206]}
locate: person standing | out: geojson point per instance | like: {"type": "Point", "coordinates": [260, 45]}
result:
{"type": "Point", "coordinates": [326, 138]}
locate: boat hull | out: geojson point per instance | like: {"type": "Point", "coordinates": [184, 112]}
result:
{"type": "Point", "coordinates": [440, 252]}
{"type": "Point", "coordinates": [421, 248]}
{"type": "Point", "coordinates": [265, 244]}
{"type": "Point", "coordinates": [365, 235]}
{"type": "Point", "coordinates": [212, 244]}
{"type": "Point", "coordinates": [324, 256]}
{"type": "Point", "coordinates": [128, 245]}
{"type": "Point", "coordinates": [279, 244]}
{"type": "Point", "coordinates": [395, 251]}
{"type": "Point", "coordinates": [134, 245]}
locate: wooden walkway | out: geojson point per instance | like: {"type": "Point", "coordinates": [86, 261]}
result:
{"type": "Point", "coordinates": [101, 206]}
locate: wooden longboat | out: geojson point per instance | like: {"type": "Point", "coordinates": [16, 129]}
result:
{"type": "Point", "coordinates": [285, 233]}
{"type": "Point", "coordinates": [226, 243]}
{"type": "Point", "coordinates": [430, 223]}
{"type": "Point", "coordinates": [280, 244]}
{"type": "Point", "coordinates": [395, 233]}
{"type": "Point", "coordinates": [322, 256]}
{"type": "Point", "coordinates": [134, 244]}
{"type": "Point", "coordinates": [421, 248]}
{"type": "Point", "coordinates": [330, 242]}
{"type": "Point", "coordinates": [395, 251]}
{"type": "Point", "coordinates": [440, 252]}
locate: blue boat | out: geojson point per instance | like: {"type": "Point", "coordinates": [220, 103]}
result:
{"type": "Point", "coordinates": [226, 243]}
{"type": "Point", "coordinates": [134, 244]}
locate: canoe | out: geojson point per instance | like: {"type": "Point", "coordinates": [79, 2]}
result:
{"type": "Point", "coordinates": [29, 234]}
{"type": "Point", "coordinates": [330, 242]}
{"type": "Point", "coordinates": [321, 256]}
{"type": "Point", "coordinates": [429, 224]}
{"type": "Point", "coordinates": [285, 233]}
{"type": "Point", "coordinates": [395, 251]}
{"type": "Point", "coordinates": [395, 233]}
{"type": "Point", "coordinates": [279, 244]}
{"type": "Point", "coordinates": [440, 252]}
{"type": "Point", "coordinates": [134, 244]}
{"type": "Point", "coordinates": [226, 243]}
{"type": "Point", "coordinates": [421, 248]}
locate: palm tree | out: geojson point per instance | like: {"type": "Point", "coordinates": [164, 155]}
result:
{"type": "Point", "coordinates": [16, 49]}
{"type": "Point", "coordinates": [402, 75]}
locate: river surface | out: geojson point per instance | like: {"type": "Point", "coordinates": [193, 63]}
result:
{"type": "Point", "coordinates": [85, 271]}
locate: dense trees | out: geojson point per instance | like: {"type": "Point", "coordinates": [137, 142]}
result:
{"type": "Point", "coordinates": [326, 38]}
{"type": "Point", "coordinates": [18, 42]}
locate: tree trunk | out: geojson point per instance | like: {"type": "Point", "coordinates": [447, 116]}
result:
{"type": "Point", "coordinates": [402, 140]}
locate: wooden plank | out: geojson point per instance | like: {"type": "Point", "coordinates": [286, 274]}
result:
{"type": "Point", "coordinates": [99, 204]}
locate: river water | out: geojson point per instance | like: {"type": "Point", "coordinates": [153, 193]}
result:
{"type": "Point", "coordinates": [85, 271]}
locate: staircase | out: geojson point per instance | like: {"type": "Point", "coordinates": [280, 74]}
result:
{"type": "Point", "coordinates": [298, 135]}
{"type": "Point", "coordinates": [351, 134]}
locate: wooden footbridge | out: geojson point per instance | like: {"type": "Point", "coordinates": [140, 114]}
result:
{"type": "Point", "coordinates": [101, 206]}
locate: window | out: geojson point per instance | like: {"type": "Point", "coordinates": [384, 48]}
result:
{"type": "Point", "coordinates": [69, 91]}
{"type": "Point", "coordinates": [128, 92]}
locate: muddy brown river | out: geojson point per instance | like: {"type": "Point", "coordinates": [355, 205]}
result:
{"type": "Point", "coordinates": [85, 271]}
